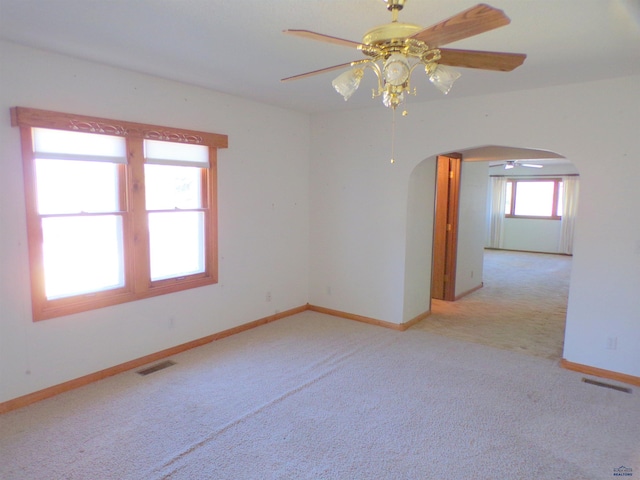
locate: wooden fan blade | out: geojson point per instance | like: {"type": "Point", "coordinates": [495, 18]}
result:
{"type": "Point", "coordinates": [322, 38]}
{"type": "Point", "coordinates": [476, 20]}
{"type": "Point", "coordinates": [316, 72]}
{"type": "Point", "coordinates": [501, 61]}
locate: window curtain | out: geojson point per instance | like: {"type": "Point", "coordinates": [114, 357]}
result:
{"type": "Point", "coordinates": [571, 187]}
{"type": "Point", "coordinates": [495, 219]}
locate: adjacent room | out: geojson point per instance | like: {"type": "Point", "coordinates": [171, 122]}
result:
{"type": "Point", "coordinates": [516, 296]}
{"type": "Point", "coordinates": [209, 272]}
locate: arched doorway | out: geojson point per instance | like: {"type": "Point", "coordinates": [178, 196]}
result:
{"type": "Point", "coordinates": [474, 182]}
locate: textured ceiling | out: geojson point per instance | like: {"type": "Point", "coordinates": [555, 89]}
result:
{"type": "Point", "coordinates": [237, 46]}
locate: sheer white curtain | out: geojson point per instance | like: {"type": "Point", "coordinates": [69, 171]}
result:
{"type": "Point", "coordinates": [571, 187]}
{"type": "Point", "coordinates": [495, 219]}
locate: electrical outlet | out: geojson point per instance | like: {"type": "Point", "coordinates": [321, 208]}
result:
{"type": "Point", "coordinates": [612, 343]}
{"type": "Point", "coordinates": [328, 290]}
{"type": "Point", "coordinates": [268, 296]}
{"type": "Point", "coordinates": [172, 322]}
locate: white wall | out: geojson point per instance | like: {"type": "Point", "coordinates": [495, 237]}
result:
{"type": "Point", "coordinates": [419, 244]}
{"type": "Point", "coordinates": [471, 226]}
{"type": "Point", "coordinates": [263, 218]}
{"type": "Point", "coordinates": [533, 235]}
{"type": "Point", "coordinates": [359, 212]}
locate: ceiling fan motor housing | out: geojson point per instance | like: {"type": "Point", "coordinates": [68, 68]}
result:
{"type": "Point", "coordinates": [390, 32]}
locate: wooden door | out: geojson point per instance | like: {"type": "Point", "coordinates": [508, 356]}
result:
{"type": "Point", "coordinates": [445, 236]}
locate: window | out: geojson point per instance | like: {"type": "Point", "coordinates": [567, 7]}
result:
{"type": "Point", "coordinates": [534, 198]}
{"type": "Point", "coordinates": [116, 211]}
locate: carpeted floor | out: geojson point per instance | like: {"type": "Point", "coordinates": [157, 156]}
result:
{"type": "Point", "coordinates": [318, 397]}
{"type": "Point", "coordinates": [521, 307]}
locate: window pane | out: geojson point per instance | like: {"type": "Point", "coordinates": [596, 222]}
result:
{"type": "Point", "coordinates": [168, 187]}
{"type": "Point", "coordinates": [176, 243]}
{"type": "Point", "coordinates": [66, 186]}
{"type": "Point", "coordinates": [78, 143]}
{"type": "Point", "coordinates": [82, 254]}
{"type": "Point", "coordinates": [534, 199]}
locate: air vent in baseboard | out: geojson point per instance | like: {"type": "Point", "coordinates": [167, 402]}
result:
{"type": "Point", "coordinates": [607, 385]}
{"type": "Point", "coordinates": [156, 367]}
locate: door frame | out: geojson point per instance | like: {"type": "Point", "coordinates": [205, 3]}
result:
{"type": "Point", "coordinates": [445, 232]}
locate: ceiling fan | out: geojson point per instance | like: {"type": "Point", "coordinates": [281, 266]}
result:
{"type": "Point", "coordinates": [395, 49]}
{"type": "Point", "coordinates": [509, 164]}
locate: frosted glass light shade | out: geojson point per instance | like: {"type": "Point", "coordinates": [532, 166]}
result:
{"type": "Point", "coordinates": [396, 69]}
{"type": "Point", "coordinates": [392, 101]}
{"type": "Point", "coordinates": [443, 78]}
{"type": "Point", "coordinates": [348, 82]}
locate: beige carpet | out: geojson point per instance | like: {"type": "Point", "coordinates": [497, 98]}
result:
{"type": "Point", "coordinates": [522, 306]}
{"type": "Point", "coordinates": [318, 397]}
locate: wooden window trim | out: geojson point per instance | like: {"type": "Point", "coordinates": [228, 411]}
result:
{"type": "Point", "coordinates": [132, 198]}
{"type": "Point", "coordinates": [31, 117]}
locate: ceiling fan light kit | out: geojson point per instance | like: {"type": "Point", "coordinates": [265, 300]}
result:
{"type": "Point", "coordinates": [395, 49]}
{"type": "Point", "coordinates": [348, 82]}
{"type": "Point", "coordinates": [443, 78]}
{"type": "Point", "coordinates": [394, 55]}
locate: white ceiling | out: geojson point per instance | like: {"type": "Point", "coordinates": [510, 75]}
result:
{"type": "Point", "coordinates": [500, 153]}
{"type": "Point", "coordinates": [237, 46]}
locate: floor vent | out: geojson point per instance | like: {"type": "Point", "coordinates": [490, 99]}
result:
{"type": "Point", "coordinates": [156, 367]}
{"type": "Point", "coordinates": [607, 385]}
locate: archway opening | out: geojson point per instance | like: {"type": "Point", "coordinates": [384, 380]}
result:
{"type": "Point", "coordinates": [518, 321]}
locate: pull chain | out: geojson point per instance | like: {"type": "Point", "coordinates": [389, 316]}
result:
{"type": "Point", "coordinates": [393, 136]}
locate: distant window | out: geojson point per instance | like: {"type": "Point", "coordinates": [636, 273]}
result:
{"type": "Point", "coordinates": [534, 198]}
{"type": "Point", "coordinates": [116, 211]}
